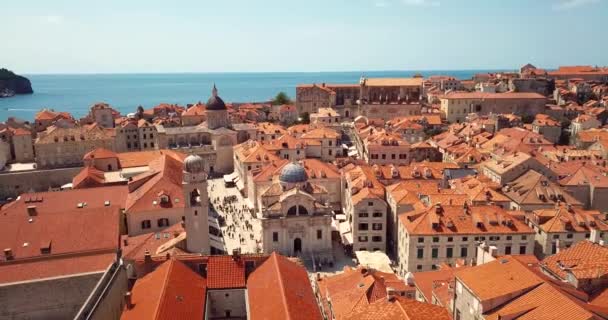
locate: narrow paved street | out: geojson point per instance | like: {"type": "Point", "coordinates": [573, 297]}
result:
{"type": "Point", "coordinates": [240, 229]}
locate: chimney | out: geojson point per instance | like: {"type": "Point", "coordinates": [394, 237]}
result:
{"type": "Point", "coordinates": [147, 256]}
{"type": "Point", "coordinates": [594, 236]}
{"type": "Point", "coordinates": [31, 211]}
{"type": "Point", "coordinates": [8, 254]}
{"type": "Point", "coordinates": [128, 300]}
{"type": "Point", "coordinates": [236, 254]}
{"type": "Point", "coordinates": [390, 294]}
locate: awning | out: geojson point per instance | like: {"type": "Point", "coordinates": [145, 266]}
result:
{"type": "Point", "coordinates": [231, 177]}
{"type": "Point", "coordinates": [347, 235]}
{"type": "Point", "coordinates": [341, 217]}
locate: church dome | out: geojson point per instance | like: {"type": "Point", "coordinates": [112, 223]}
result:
{"type": "Point", "coordinates": [215, 103]}
{"type": "Point", "coordinates": [194, 164]}
{"type": "Point", "coordinates": [293, 173]}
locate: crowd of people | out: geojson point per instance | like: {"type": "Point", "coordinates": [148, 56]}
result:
{"type": "Point", "coordinates": [238, 218]}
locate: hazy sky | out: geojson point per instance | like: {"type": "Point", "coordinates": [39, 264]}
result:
{"type": "Point", "coordinates": [69, 36]}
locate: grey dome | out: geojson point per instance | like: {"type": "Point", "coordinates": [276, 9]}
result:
{"type": "Point", "coordinates": [194, 164]}
{"type": "Point", "coordinates": [293, 173]}
{"type": "Point", "coordinates": [215, 102]}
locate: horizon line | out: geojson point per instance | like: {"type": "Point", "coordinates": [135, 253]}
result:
{"type": "Point", "coordinates": [265, 72]}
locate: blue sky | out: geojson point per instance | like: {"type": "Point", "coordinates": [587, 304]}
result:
{"type": "Point", "coordinates": [68, 36]}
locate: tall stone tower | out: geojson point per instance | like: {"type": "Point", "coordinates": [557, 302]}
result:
{"type": "Point", "coordinates": [217, 114]}
{"type": "Point", "coordinates": [196, 205]}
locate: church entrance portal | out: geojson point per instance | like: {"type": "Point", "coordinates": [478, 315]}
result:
{"type": "Point", "coordinates": [297, 246]}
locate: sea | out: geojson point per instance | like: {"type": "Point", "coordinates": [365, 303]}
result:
{"type": "Point", "coordinates": [76, 93]}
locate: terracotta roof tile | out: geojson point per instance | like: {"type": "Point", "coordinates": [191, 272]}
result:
{"type": "Point", "coordinates": [499, 278]}
{"type": "Point", "coordinates": [280, 289]}
{"type": "Point", "coordinates": [225, 272]}
{"type": "Point", "coordinates": [443, 219]}
{"type": "Point", "coordinates": [172, 291]}
{"type": "Point", "coordinates": [99, 153]}
{"type": "Point", "coordinates": [163, 178]}
{"type": "Point", "coordinates": [36, 269]}
{"type": "Point", "coordinates": [584, 260]}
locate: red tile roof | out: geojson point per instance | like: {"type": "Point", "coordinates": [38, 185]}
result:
{"type": "Point", "coordinates": [134, 248]}
{"type": "Point", "coordinates": [88, 177]}
{"type": "Point", "coordinates": [143, 158]}
{"type": "Point", "coordinates": [399, 308]}
{"type": "Point", "coordinates": [99, 153]}
{"type": "Point", "coordinates": [67, 200]}
{"type": "Point", "coordinates": [225, 272]}
{"type": "Point", "coordinates": [584, 260]}
{"type": "Point", "coordinates": [362, 294]}
{"type": "Point", "coordinates": [164, 178]}
{"type": "Point", "coordinates": [445, 219]}
{"type": "Point", "coordinates": [172, 291]}
{"type": "Point", "coordinates": [279, 289]}
{"type": "Point", "coordinates": [489, 96]}
{"type": "Point", "coordinates": [60, 266]}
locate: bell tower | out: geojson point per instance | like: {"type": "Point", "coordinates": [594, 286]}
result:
{"type": "Point", "coordinates": [196, 205]}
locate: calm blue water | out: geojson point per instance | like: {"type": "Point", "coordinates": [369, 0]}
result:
{"type": "Point", "coordinates": [76, 93]}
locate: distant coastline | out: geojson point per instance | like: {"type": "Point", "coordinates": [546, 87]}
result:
{"type": "Point", "coordinates": [12, 84]}
{"type": "Point", "coordinates": [75, 93]}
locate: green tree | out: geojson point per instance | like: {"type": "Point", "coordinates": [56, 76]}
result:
{"type": "Point", "coordinates": [281, 98]}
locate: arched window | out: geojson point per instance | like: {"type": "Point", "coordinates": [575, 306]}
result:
{"type": "Point", "coordinates": [297, 210]}
{"type": "Point", "coordinates": [194, 197]}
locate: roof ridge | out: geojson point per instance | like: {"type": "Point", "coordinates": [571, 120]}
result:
{"type": "Point", "coordinates": [275, 259]}
{"type": "Point", "coordinates": [161, 297]}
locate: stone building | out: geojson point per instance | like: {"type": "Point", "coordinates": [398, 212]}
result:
{"type": "Point", "coordinates": [533, 190]}
{"type": "Point", "coordinates": [507, 168]}
{"type": "Point", "coordinates": [102, 114]}
{"type": "Point", "coordinates": [326, 117]}
{"type": "Point", "coordinates": [251, 155]}
{"type": "Point", "coordinates": [325, 176]}
{"type": "Point", "coordinates": [64, 147]}
{"type": "Point", "coordinates": [194, 115]}
{"type": "Point", "coordinates": [295, 217]}
{"type": "Point", "coordinates": [196, 205]}
{"type": "Point", "coordinates": [446, 233]}
{"type": "Point", "coordinates": [366, 211]}
{"type": "Point", "coordinates": [456, 106]}
{"type": "Point", "coordinates": [550, 128]}
{"type": "Point", "coordinates": [372, 97]}
{"type": "Point", "coordinates": [366, 293]}
{"type": "Point", "coordinates": [20, 144]}
{"type": "Point", "coordinates": [563, 226]}
{"type": "Point", "coordinates": [383, 148]}
{"type": "Point", "coordinates": [221, 287]}
{"type": "Point", "coordinates": [514, 286]}
{"type": "Point", "coordinates": [541, 86]}
{"type": "Point", "coordinates": [48, 117]}
{"type": "Point", "coordinates": [589, 185]}
{"type": "Point", "coordinates": [323, 143]}
{"type": "Point", "coordinates": [55, 251]}
{"type": "Point", "coordinates": [213, 140]}
{"type": "Point", "coordinates": [136, 135]}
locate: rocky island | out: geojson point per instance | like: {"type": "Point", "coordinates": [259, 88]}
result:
{"type": "Point", "coordinates": [12, 84]}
